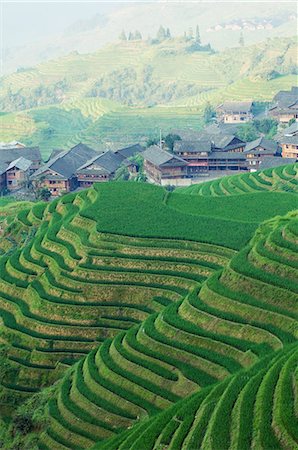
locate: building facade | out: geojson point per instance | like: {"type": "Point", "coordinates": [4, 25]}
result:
{"type": "Point", "coordinates": [235, 112]}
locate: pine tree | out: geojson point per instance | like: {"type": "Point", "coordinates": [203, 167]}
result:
{"type": "Point", "coordinates": [241, 40]}
{"type": "Point", "coordinates": [190, 33]}
{"type": "Point", "coordinates": [168, 33]}
{"type": "Point", "coordinates": [161, 34]}
{"type": "Point", "coordinates": [198, 36]}
{"type": "Point", "coordinates": [131, 36]}
{"type": "Point", "coordinates": [122, 36]}
{"type": "Point", "coordinates": [138, 36]}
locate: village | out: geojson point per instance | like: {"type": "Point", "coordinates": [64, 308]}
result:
{"type": "Point", "coordinates": [194, 156]}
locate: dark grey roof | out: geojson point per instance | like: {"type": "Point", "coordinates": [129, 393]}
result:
{"type": "Point", "coordinates": [158, 157]}
{"type": "Point", "coordinates": [21, 163]}
{"type": "Point", "coordinates": [132, 150]}
{"type": "Point", "coordinates": [11, 154]}
{"type": "Point", "coordinates": [289, 140]}
{"type": "Point", "coordinates": [109, 161]}
{"type": "Point", "coordinates": [275, 161]}
{"type": "Point", "coordinates": [67, 162]}
{"type": "Point", "coordinates": [292, 129]}
{"type": "Point", "coordinates": [97, 171]}
{"type": "Point", "coordinates": [193, 146]}
{"type": "Point", "coordinates": [187, 135]}
{"type": "Point", "coordinates": [285, 99]}
{"type": "Point", "coordinates": [236, 106]}
{"type": "Point", "coordinates": [227, 155]}
{"type": "Point", "coordinates": [267, 146]}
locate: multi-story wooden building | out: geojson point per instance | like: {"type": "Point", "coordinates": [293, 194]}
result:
{"type": "Point", "coordinates": [259, 149]}
{"type": "Point", "coordinates": [160, 165]}
{"type": "Point", "coordinates": [99, 168]}
{"type": "Point", "coordinates": [16, 166]}
{"type": "Point", "coordinates": [289, 147]}
{"type": "Point", "coordinates": [235, 112]}
{"type": "Point", "coordinates": [195, 153]}
{"type": "Point", "coordinates": [17, 174]}
{"type": "Point", "coordinates": [59, 173]}
{"type": "Point", "coordinates": [285, 105]}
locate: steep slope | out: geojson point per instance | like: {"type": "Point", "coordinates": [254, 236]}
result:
{"type": "Point", "coordinates": [279, 179]}
{"type": "Point", "coordinates": [240, 315]}
{"type": "Point", "coordinates": [253, 409]}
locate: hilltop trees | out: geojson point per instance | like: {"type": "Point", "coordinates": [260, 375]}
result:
{"type": "Point", "coordinates": [132, 36]}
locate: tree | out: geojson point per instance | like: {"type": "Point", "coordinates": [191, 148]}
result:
{"type": "Point", "coordinates": [190, 33]}
{"type": "Point", "coordinates": [44, 194]}
{"type": "Point", "coordinates": [170, 140]}
{"type": "Point", "coordinates": [161, 34]}
{"type": "Point", "coordinates": [138, 36]}
{"type": "Point", "coordinates": [209, 113]}
{"type": "Point", "coordinates": [168, 33]}
{"type": "Point", "coordinates": [122, 36]}
{"type": "Point", "coordinates": [241, 40]}
{"type": "Point", "coordinates": [198, 36]}
{"type": "Point", "coordinates": [247, 132]}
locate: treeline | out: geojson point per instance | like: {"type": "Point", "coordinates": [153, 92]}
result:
{"type": "Point", "coordinates": [128, 87]}
{"type": "Point", "coordinates": [164, 33]}
{"type": "Point", "coordinates": [39, 96]}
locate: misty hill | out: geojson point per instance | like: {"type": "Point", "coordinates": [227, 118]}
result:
{"type": "Point", "coordinates": [220, 25]}
{"type": "Point", "coordinates": [127, 90]}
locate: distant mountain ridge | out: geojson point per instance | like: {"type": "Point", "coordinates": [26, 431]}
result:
{"type": "Point", "coordinates": [92, 34]}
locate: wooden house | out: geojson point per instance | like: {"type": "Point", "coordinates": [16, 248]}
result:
{"type": "Point", "coordinates": [235, 112]}
{"type": "Point", "coordinates": [16, 166]}
{"type": "Point", "coordinates": [160, 165]}
{"type": "Point", "coordinates": [99, 168]}
{"type": "Point", "coordinates": [285, 105]}
{"type": "Point", "coordinates": [289, 146]}
{"type": "Point", "coordinates": [59, 173]}
{"type": "Point", "coordinates": [17, 174]}
{"type": "Point", "coordinates": [195, 153]}
{"type": "Point", "coordinates": [259, 149]}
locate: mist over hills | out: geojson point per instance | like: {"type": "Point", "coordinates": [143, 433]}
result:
{"type": "Point", "coordinates": [220, 26]}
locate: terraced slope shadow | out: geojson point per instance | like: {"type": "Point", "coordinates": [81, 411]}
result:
{"type": "Point", "coordinates": [241, 314]}
{"type": "Point", "coordinates": [65, 287]}
{"type": "Point", "coordinates": [280, 179]}
{"type": "Point", "coordinates": [254, 408]}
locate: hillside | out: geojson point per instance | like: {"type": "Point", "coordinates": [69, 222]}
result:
{"type": "Point", "coordinates": [220, 26]}
{"type": "Point", "coordinates": [127, 91]}
{"type": "Point", "coordinates": [124, 310]}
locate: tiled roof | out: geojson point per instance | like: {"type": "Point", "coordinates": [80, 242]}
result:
{"type": "Point", "coordinates": [109, 161]}
{"type": "Point", "coordinates": [236, 106]}
{"type": "Point", "coordinates": [157, 156]}
{"type": "Point", "coordinates": [67, 162]}
{"type": "Point", "coordinates": [267, 146]}
{"type": "Point", "coordinates": [193, 146]}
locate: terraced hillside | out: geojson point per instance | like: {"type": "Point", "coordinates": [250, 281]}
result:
{"type": "Point", "coordinates": [125, 304]}
{"type": "Point", "coordinates": [53, 104]}
{"type": "Point", "coordinates": [279, 179]}
{"type": "Point", "coordinates": [65, 286]}
{"type": "Point", "coordinates": [255, 408]}
{"type": "Point", "coordinates": [216, 341]}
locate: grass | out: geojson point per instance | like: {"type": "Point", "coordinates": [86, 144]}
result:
{"type": "Point", "coordinates": [155, 303]}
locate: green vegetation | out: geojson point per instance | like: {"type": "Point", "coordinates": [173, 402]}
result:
{"type": "Point", "coordinates": [127, 91]}
{"type": "Point", "coordinates": [130, 314]}
{"type": "Point", "coordinates": [279, 179]}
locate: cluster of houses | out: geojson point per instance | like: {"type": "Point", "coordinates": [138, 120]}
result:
{"type": "Point", "coordinates": [216, 149]}
{"type": "Point", "coordinates": [194, 154]}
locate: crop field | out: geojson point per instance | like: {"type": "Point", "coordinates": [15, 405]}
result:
{"type": "Point", "coordinates": [216, 342]}
{"type": "Point", "coordinates": [73, 116]}
{"type": "Point", "coordinates": [131, 320]}
{"type": "Point", "coordinates": [279, 179]}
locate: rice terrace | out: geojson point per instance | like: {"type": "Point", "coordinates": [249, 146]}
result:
{"type": "Point", "coordinates": [149, 225]}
